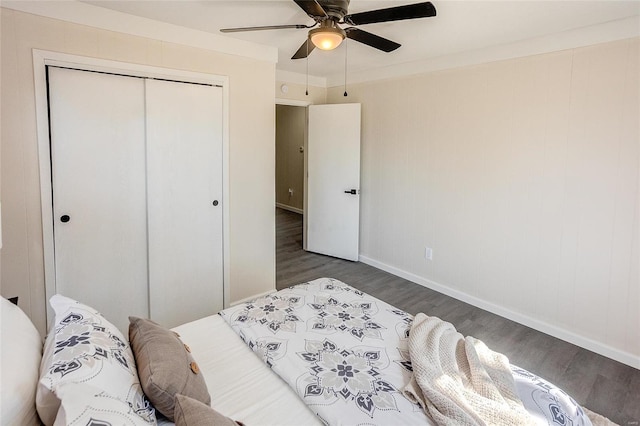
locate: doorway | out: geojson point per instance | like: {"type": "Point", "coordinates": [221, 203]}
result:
{"type": "Point", "coordinates": [329, 159]}
{"type": "Point", "coordinates": [291, 133]}
{"type": "Point", "coordinates": [290, 149]}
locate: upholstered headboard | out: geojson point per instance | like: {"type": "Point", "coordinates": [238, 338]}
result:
{"type": "Point", "coordinates": [21, 347]}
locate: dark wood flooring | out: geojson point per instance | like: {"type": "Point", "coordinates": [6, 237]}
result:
{"type": "Point", "coordinates": [599, 383]}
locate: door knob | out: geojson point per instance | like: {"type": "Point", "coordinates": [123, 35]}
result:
{"type": "Point", "coordinates": [65, 218]}
{"type": "Point", "coordinates": [215, 202]}
{"type": "Point", "coordinates": [351, 191]}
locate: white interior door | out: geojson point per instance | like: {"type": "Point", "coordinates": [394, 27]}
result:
{"type": "Point", "coordinates": [98, 177]}
{"type": "Point", "coordinates": [184, 162]}
{"type": "Point", "coordinates": [333, 180]}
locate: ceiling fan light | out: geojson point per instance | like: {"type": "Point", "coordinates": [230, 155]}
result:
{"type": "Point", "coordinates": [327, 38]}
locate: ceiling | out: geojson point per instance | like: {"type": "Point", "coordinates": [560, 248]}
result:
{"type": "Point", "coordinates": [460, 27]}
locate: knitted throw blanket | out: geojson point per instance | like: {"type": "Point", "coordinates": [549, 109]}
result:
{"type": "Point", "coordinates": [458, 380]}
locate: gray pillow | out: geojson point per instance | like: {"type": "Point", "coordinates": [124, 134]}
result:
{"type": "Point", "coordinates": [165, 366]}
{"type": "Point", "coordinates": [189, 412]}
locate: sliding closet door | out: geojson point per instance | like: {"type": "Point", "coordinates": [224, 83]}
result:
{"type": "Point", "coordinates": [98, 176]}
{"type": "Point", "coordinates": [184, 166]}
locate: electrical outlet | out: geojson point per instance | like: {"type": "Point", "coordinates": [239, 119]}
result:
{"type": "Point", "coordinates": [428, 253]}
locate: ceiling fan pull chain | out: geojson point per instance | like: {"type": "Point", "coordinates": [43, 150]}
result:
{"type": "Point", "coordinates": [306, 92]}
{"type": "Point", "coordinates": [345, 67]}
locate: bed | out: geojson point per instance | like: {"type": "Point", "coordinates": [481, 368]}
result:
{"type": "Point", "coordinates": [321, 352]}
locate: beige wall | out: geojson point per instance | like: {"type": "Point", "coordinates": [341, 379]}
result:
{"type": "Point", "coordinates": [251, 164]}
{"type": "Point", "coordinates": [522, 176]}
{"type": "Point", "coordinates": [290, 138]}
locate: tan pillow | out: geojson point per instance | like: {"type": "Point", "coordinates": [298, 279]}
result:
{"type": "Point", "coordinates": [165, 366]}
{"type": "Point", "coordinates": [189, 412]}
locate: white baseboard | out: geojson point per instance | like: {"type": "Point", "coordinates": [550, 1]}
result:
{"type": "Point", "coordinates": [291, 209]}
{"type": "Point", "coordinates": [561, 333]}
{"type": "Point", "coordinates": [250, 298]}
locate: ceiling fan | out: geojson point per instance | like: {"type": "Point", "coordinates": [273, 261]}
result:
{"type": "Point", "coordinates": [329, 14]}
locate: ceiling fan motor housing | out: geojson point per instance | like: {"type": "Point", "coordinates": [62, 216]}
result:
{"type": "Point", "coordinates": [335, 9]}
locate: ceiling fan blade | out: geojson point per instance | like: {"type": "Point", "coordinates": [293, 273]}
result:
{"type": "Point", "coordinates": [372, 40]}
{"type": "Point", "coordinates": [267, 27]}
{"type": "Point", "coordinates": [398, 13]}
{"type": "Point", "coordinates": [306, 48]}
{"type": "Point", "coordinates": [311, 8]}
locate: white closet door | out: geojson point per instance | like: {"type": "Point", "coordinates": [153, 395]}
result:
{"type": "Point", "coordinates": [184, 166]}
{"type": "Point", "coordinates": [98, 156]}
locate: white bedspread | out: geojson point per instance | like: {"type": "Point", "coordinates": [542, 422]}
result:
{"type": "Point", "coordinates": [346, 355]}
{"type": "Point", "coordinates": [344, 352]}
{"type": "Point", "coordinates": [245, 388]}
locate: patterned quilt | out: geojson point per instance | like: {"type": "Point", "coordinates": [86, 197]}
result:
{"type": "Point", "coordinates": [345, 354]}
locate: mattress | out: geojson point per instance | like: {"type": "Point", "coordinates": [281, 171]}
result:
{"type": "Point", "coordinates": [245, 388]}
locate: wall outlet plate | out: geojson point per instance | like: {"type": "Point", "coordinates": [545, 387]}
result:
{"type": "Point", "coordinates": [428, 253]}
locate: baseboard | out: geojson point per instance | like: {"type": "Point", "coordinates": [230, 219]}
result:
{"type": "Point", "coordinates": [544, 327]}
{"type": "Point", "coordinates": [250, 298]}
{"type": "Point", "coordinates": [291, 209]}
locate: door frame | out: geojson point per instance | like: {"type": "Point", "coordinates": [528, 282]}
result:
{"type": "Point", "coordinates": [305, 105]}
{"type": "Point", "coordinates": [41, 60]}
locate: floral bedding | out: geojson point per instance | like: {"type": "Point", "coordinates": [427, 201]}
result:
{"type": "Point", "coordinates": [345, 354]}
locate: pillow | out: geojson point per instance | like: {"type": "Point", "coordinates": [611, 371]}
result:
{"type": "Point", "coordinates": [82, 404]}
{"type": "Point", "coordinates": [189, 412]}
{"type": "Point", "coordinates": [165, 366]}
{"type": "Point", "coordinates": [21, 354]}
{"type": "Point", "coordinates": [84, 348]}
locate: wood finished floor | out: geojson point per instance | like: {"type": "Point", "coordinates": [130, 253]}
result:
{"type": "Point", "coordinates": [599, 383]}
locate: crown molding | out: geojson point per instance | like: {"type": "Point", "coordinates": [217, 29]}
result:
{"type": "Point", "coordinates": [580, 37]}
{"type": "Point", "coordinates": [111, 20]}
{"type": "Point", "coordinates": [298, 78]}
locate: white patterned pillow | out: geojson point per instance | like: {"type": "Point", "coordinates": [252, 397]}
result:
{"type": "Point", "coordinates": [83, 404]}
{"type": "Point", "coordinates": [84, 348]}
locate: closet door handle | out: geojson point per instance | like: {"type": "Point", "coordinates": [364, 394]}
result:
{"type": "Point", "coordinates": [351, 191]}
{"type": "Point", "coordinates": [65, 218]}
